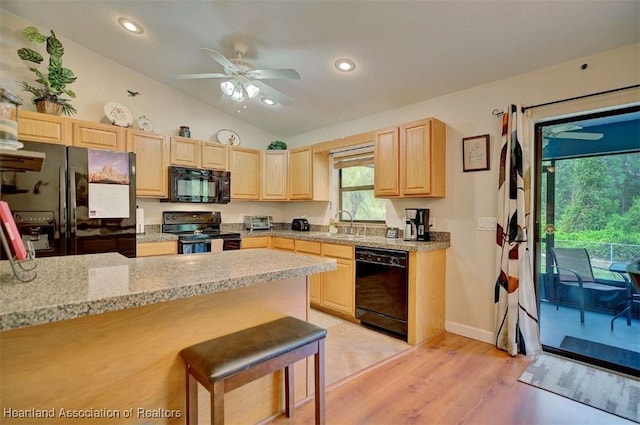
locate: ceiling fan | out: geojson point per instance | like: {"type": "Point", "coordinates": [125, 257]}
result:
{"type": "Point", "coordinates": [567, 131]}
{"type": "Point", "coordinates": [241, 78]}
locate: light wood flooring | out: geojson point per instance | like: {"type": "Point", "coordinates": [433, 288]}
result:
{"type": "Point", "coordinates": [450, 380]}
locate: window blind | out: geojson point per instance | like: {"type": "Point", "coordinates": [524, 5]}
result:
{"type": "Point", "coordinates": [353, 156]}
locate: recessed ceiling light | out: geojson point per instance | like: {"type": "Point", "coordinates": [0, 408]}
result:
{"type": "Point", "coordinates": [345, 65]}
{"type": "Point", "coordinates": [268, 101]}
{"type": "Point", "coordinates": [131, 26]}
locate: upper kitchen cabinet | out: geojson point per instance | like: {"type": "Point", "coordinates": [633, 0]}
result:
{"type": "Point", "coordinates": [152, 161]}
{"type": "Point", "coordinates": [308, 175]}
{"type": "Point", "coordinates": [88, 134]}
{"type": "Point", "coordinates": [186, 152]}
{"type": "Point", "coordinates": [275, 166]}
{"type": "Point", "coordinates": [410, 160]}
{"type": "Point", "coordinates": [37, 127]}
{"type": "Point", "coordinates": [245, 173]}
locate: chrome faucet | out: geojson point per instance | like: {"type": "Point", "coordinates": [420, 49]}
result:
{"type": "Point", "coordinates": [350, 218]}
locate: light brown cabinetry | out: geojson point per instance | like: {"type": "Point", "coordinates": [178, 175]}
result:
{"type": "Point", "coordinates": [426, 304]}
{"type": "Point", "coordinates": [37, 127]}
{"type": "Point", "coordinates": [315, 280]}
{"type": "Point", "coordinates": [284, 244]}
{"type": "Point", "coordinates": [275, 182]}
{"type": "Point", "coordinates": [245, 173]}
{"type": "Point", "coordinates": [410, 160]}
{"type": "Point", "coordinates": [152, 160]}
{"type": "Point", "coordinates": [308, 174]}
{"type": "Point", "coordinates": [88, 134]}
{"type": "Point", "coordinates": [186, 152]}
{"type": "Point", "coordinates": [148, 249]}
{"type": "Point", "coordinates": [256, 242]}
{"type": "Point", "coordinates": [338, 287]}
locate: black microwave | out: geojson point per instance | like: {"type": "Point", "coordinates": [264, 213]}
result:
{"type": "Point", "coordinates": [196, 185]}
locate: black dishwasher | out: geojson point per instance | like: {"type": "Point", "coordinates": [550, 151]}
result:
{"type": "Point", "coordinates": [381, 290]}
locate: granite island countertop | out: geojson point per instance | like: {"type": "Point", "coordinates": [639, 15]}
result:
{"type": "Point", "coordinates": [80, 285]}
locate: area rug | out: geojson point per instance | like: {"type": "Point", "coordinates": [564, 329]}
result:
{"type": "Point", "coordinates": [611, 392]}
{"type": "Point", "coordinates": [620, 356]}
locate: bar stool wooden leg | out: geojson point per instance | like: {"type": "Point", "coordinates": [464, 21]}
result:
{"type": "Point", "coordinates": [217, 403]}
{"type": "Point", "coordinates": [319, 382]}
{"type": "Point", "coordinates": [192, 398]}
{"type": "Point", "coordinates": [289, 395]}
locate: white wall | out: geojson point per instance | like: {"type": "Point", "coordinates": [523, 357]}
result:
{"type": "Point", "coordinates": [471, 258]}
{"type": "Point", "coordinates": [471, 270]}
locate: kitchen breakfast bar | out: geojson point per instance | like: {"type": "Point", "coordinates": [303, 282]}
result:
{"type": "Point", "coordinates": [96, 338]}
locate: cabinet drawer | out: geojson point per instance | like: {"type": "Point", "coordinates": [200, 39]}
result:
{"type": "Point", "coordinates": [283, 243]}
{"type": "Point", "coordinates": [338, 251]}
{"type": "Point", "coordinates": [147, 249]}
{"type": "Point", "coordinates": [261, 242]}
{"type": "Point", "coordinates": [308, 247]}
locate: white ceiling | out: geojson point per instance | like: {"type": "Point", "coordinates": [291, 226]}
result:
{"type": "Point", "coordinates": [406, 51]}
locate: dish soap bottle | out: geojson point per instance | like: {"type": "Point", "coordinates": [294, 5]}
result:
{"type": "Point", "coordinates": [332, 226]}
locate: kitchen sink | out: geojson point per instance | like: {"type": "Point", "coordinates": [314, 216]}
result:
{"type": "Point", "coordinates": [347, 237]}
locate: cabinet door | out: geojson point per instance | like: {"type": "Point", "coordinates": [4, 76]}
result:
{"type": "Point", "coordinates": [415, 158]}
{"type": "Point", "coordinates": [185, 152]}
{"type": "Point", "coordinates": [245, 173]}
{"type": "Point", "coordinates": [37, 127]}
{"type": "Point", "coordinates": [148, 249]}
{"type": "Point", "coordinates": [315, 280]}
{"type": "Point", "coordinates": [214, 156]}
{"type": "Point", "coordinates": [284, 244]}
{"type": "Point", "coordinates": [152, 160]}
{"type": "Point", "coordinates": [386, 162]}
{"type": "Point", "coordinates": [338, 289]}
{"type": "Point", "coordinates": [301, 173]}
{"type": "Point", "coordinates": [422, 158]}
{"type": "Point", "coordinates": [99, 136]}
{"type": "Point", "coordinates": [256, 242]}
{"type": "Point", "coordinates": [275, 165]}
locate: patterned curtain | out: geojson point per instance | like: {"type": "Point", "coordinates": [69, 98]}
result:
{"type": "Point", "coordinates": [517, 316]}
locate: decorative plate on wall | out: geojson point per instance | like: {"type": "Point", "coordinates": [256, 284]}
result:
{"type": "Point", "coordinates": [118, 114]}
{"type": "Point", "coordinates": [228, 137]}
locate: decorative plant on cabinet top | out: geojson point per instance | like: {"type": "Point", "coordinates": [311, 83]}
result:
{"type": "Point", "coordinates": [53, 84]}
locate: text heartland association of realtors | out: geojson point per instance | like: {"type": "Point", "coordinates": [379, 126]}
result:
{"type": "Point", "coordinates": [134, 412]}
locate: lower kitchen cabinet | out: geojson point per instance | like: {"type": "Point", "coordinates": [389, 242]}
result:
{"type": "Point", "coordinates": [258, 242]}
{"type": "Point", "coordinates": [337, 288]}
{"type": "Point", "coordinates": [315, 280]}
{"type": "Point", "coordinates": [148, 249]}
{"type": "Point", "coordinates": [284, 244]}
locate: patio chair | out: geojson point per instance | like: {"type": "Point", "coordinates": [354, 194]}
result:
{"type": "Point", "coordinates": [574, 269]}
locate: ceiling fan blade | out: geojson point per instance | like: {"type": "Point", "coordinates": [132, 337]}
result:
{"type": "Point", "coordinates": [272, 74]}
{"type": "Point", "coordinates": [271, 93]}
{"type": "Point", "coordinates": [220, 58]}
{"type": "Point", "coordinates": [579, 136]}
{"type": "Point", "coordinates": [198, 76]}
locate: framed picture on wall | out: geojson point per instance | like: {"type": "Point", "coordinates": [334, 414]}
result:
{"type": "Point", "coordinates": [475, 153]}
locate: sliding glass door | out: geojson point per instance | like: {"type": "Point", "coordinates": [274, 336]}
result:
{"type": "Point", "coordinates": [588, 229]}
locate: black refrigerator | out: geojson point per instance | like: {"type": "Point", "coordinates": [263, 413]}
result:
{"type": "Point", "coordinates": [81, 202]}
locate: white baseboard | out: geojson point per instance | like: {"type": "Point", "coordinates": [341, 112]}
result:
{"type": "Point", "coordinates": [470, 332]}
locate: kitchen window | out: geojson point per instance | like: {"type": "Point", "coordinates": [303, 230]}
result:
{"type": "Point", "coordinates": [356, 194]}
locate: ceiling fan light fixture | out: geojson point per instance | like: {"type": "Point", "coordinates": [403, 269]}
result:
{"type": "Point", "coordinates": [130, 25]}
{"type": "Point", "coordinates": [227, 87]}
{"type": "Point", "coordinates": [345, 65]}
{"type": "Point", "coordinates": [252, 90]}
{"type": "Point", "coordinates": [237, 94]}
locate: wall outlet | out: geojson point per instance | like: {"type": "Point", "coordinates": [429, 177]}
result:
{"type": "Point", "coordinates": [487, 223]}
{"type": "Point", "coordinates": [432, 223]}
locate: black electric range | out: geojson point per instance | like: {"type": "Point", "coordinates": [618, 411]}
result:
{"type": "Point", "coordinates": [197, 229]}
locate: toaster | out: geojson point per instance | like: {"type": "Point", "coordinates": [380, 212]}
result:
{"type": "Point", "coordinates": [300, 224]}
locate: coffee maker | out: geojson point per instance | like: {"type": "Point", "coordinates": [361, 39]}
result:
{"type": "Point", "coordinates": [422, 224]}
{"type": "Point", "coordinates": [410, 227]}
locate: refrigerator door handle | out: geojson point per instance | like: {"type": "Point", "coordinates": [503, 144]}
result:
{"type": "Point", "coordinates": [62, 221]}
{"type": "Point", "coordinates": [72, 203]}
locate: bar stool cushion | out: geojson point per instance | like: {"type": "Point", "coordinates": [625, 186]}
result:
{"type": "Point", "coordinates": [227, 355]}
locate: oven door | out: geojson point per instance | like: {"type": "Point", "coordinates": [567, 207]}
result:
{"type": "Point", "coordinates": [192, 246]}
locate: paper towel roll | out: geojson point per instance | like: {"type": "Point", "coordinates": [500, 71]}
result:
{"type": "Point", "coordinates": [139, 220]}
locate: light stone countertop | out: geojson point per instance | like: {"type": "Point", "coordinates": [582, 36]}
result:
{"type": "Point", "coordinates": [341, 239]}
{"type": "Point", "coordinates": [80, 285]}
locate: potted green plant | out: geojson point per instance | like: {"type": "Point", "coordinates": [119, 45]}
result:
{"type": "Point", "coordinates": [277, 145]}
{"type": "Point", "coordinates": [48, 96]}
